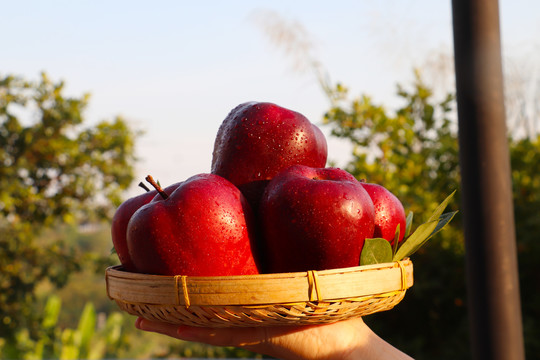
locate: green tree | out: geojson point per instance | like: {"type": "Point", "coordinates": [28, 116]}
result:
{"type": "Point", "coordinates": [525, 160]}
{"type": "Point", "coordinates": [54, 169]}
{"type": "Point", "coordinates": [413, 151]}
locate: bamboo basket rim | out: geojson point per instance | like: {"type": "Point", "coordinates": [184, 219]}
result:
{"type": "Point", "coordinates": [352, 284]}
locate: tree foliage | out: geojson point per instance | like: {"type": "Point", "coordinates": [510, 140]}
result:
{"type": "Point", "coordinates": [525, 159]}
{"type": "Point", "coordinates": [413, 152]}
{"type": "Point", "coordinates": [89, 340]}
{"type": "Point", "coordinates": [54, 169]}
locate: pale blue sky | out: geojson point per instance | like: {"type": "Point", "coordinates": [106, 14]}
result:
{"type": "Point", "coordinates": [175, 68]}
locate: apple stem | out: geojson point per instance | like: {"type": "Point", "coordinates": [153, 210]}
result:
{"type": "Point", "coordinates": [143, 185]}
{"type": "Point", "coordinates": [152, 182]}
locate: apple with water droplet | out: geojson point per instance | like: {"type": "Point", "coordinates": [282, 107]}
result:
{"type": "Point", "coordinates": [203, 228]}
{"type": "Point", "coordinates": [389, 212]}
{"type": "Point", "coordinates": [120, 222]}
{"type": "Point", "coordinates": [257, 140]}
{"type": "Point", "coordinates": [314, 219]}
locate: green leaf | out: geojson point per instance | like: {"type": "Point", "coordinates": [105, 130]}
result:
{"type": "Point", "coordinates": [113, 329]}
{"type": "Point", "coordinates": [376, 251]}
{"type": "Point", "coordinates": [396, 240]}
{"type": "Point", "coordinates": [86, 328]}
{"type": "Point", "coordinates": [69, 350]}
{"type": "Point", "coordinates": [443, 220]}
{"type": "Point", "coordinates": [39, 350]}
{"type": "Point", "coordinates": [439, 210]}
{"type": "Point", "coordinates": [98, 350]}
{"type": "Point", "coordinates": [51, 312]}
{"type": "Point", "coordinates": [424, 232]}
{"type": "Point", "coordinates": [415, 241]}
{"type": "Point", "coordinates": [409, 224]}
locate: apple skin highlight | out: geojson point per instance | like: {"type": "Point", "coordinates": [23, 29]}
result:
{"type": "Point", "coordinates": [257, 140]}
{"type": "Point", "coordinates": [204, 228]}
{"type": "Point", "coordinates": [389, 212]}
{"type": "Point", "coordinates": [314, 219]}
{"type": "Point", "coordinates": [120, 222]}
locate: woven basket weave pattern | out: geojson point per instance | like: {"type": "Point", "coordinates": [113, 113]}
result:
{"type": "Point", "coordinates": [262, 300]}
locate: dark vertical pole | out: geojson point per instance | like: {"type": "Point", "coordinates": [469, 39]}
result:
{"type": "Point", "coordinates": [492, 278]}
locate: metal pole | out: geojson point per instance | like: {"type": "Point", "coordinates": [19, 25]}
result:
{"type": "Point", "coordinates": [492, 275]}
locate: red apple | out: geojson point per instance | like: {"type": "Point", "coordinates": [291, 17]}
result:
{"type": "Point", "coordinates": [389, 212]}
{"type": "Point", "coordinates": [122, 216]}
{"type": "Point", "coordinates": [201, 229]}
{"type": "Point", "coordinates": [120, 223]}
{"type": "Point", "coordinates": [257, 140]}
{"type": "Point", "coordinates": [315, 219]}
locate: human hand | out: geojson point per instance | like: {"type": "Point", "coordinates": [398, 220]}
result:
{"type": "Point", "coordinates": [349, 339]}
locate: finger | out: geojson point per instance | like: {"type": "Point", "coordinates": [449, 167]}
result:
{"type": "Point", "coordinates": [214, 336]}
{"type": "Point", "coordinates": [280, 342]}
{"type": "Point", "coordinates": [157, 327]}
{"type": "Point", "coordinates": [262, 340]}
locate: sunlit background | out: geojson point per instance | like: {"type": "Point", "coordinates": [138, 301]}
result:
{"type": "Point", "coordinates": [174, 69]}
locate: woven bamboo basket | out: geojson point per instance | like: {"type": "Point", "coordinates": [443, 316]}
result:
{"type": "Point", "coordinates": [301, 298]}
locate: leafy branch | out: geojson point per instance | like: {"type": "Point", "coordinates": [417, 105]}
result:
{"type": "Point", "coordinates": [378, 250]}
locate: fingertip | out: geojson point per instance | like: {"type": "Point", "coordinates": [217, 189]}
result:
{"type": "Point", "coordinates": [138, 323]}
